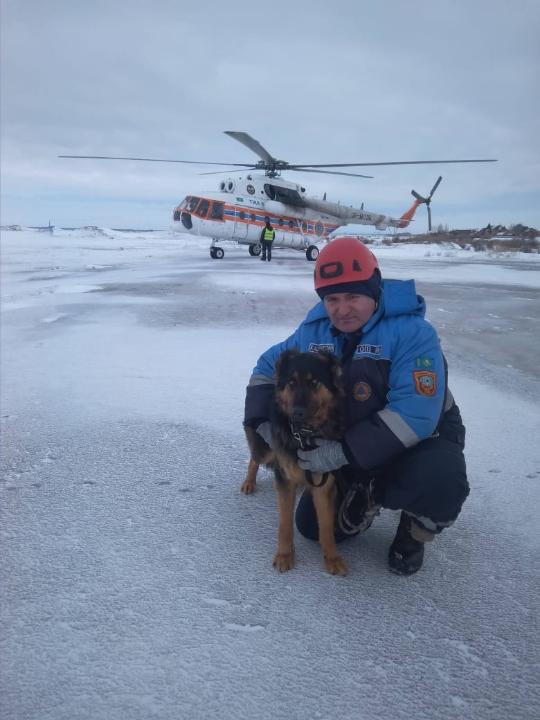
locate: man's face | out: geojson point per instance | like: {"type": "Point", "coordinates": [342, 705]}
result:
{"type": "Point", "coordinates": [348, 311]}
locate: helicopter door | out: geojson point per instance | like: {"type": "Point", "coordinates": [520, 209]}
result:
{"type": "Point", "coordinates": [280, 232]}
{"type": "Point", "coordinates": [241, 225]}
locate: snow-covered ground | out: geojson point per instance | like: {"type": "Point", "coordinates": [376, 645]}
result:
{"type": "Point", "coordinates": [137, 580]}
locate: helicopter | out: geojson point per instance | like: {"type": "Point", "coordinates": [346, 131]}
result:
{"type": "Point", "coordinates": [240, 207]}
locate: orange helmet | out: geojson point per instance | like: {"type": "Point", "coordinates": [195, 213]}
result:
{"type": "Point", "coordinates": [346, 265]}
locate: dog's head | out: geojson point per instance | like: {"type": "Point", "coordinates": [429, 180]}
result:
{"type": "Point", "coordinates": [309, 389]}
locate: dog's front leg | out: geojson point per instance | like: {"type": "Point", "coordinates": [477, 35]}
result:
{"type": "Point", "coordinates": [250, 483]}
{"type": "Point", "coordinates": [286, 493]}
{"type": "Point", "coordinates": [323, 499]}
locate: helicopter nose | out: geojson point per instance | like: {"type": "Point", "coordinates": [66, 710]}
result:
{"type": "Point", "coordinates": [186, 220]}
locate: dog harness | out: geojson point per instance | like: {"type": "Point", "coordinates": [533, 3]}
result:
{"type": "Point", "coordinates": [304, 437]}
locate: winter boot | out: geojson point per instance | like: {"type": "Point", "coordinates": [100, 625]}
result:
{"type": "Point", "coordinates": [406, 553]}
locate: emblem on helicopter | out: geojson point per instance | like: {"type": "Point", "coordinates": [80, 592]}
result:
{"type": "Point", "coordinates": [300, 221]}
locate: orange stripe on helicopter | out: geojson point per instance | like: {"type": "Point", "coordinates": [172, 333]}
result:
{"type": "Point", "coordinates": [274, 219]}
{"type": "Point", "coordinates": [231, 213]}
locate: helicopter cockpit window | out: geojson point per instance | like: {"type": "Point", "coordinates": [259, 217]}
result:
{"type": "Point", "coordinates": [216, 213]}
{"type": "Point", "coordinates": [192, 203]}
{"type": "Point", "coordinates": [202, 208]}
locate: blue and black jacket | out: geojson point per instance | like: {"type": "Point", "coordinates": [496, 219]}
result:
{"type": "Point", "coordinates": [394, 372]}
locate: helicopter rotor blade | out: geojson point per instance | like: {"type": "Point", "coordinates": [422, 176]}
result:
{"type": "Point", "coordinates": [254, 145]}
{"type": "Point", "coordinates": [418, 196]}
{"type": "Point", "coordinates": [218, 172]}
{"type": "Point", "coordinates": [159, 160]}
{"type": "Point", "coordinates": [437, 183]}
{"type": "Point", "coordinates": [328, 172]}
{"type": "Point", "coordinates": [400, 162]}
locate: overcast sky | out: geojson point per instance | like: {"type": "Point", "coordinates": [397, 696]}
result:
{"type": "Point", "coordinates": [314, 82]}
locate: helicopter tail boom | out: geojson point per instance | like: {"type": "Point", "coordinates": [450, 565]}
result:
{"type": "Point", "coordinates": [408, 215]}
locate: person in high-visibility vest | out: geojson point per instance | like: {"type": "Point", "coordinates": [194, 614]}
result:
{"type": "Point", "coordinates": [267, 238]}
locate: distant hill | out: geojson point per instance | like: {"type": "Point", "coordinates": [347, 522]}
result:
{"type": "Point", "coordinates": [492, 237]}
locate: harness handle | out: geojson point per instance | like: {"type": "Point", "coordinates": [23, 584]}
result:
{"type": "Point", "coordinates": [302, 437]}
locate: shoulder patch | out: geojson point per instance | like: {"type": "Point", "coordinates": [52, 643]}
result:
{"type": "Point", "coordinates": [425, 382]}
{"type": "Point", "coordinates": [362, 391]}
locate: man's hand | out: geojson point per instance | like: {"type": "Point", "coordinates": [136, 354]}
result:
{"type": "Point", "coordinates": [327, 456]}
{"type": "Point", "coordinates": [265, 431]}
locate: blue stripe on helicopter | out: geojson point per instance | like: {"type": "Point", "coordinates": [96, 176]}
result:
{"type": "Point", "coordinates": [254, 217]}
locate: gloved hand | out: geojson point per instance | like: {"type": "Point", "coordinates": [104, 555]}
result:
{"type": "Point", "coordinates": [265, 431]}
{"type": "Point", "coordinates": [328, 455]}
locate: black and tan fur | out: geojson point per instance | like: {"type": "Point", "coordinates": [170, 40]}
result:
{"type": "Point", "coordinates": [308, 397]}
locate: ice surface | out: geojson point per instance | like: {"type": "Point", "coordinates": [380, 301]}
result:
{"type": "Point", "coordinates": [137, 580]}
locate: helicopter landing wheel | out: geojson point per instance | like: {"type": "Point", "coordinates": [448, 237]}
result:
{"type": "Point", "coordinates": [255, 250]}
{"type": "Point", "coordinates": [217, 253]}
{"type": "Point", "coordinates": [312, 253]}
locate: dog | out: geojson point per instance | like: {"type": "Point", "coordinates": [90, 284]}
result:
{"type": "Point", "coordinates": [308, 404]}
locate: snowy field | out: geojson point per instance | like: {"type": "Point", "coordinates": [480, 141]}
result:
{"type": "Point", "coordinates": [137, 580]}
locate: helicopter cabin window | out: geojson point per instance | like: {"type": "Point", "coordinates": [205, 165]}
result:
{"type": "Point", "coordinates": [216, 213]}
{"type": "Point", "coordinates": [192, 203]}
{"type": "Point", "coordinates": [280, 222]}
{"type": "Point", "coordinates": [253, 216]}
{"type": "Point", "coordinates": [291, 224]}
{"type": "Point", "coordinates": [270, 191]}
{"type": "Point", "coordinates": [284, 195]}
{"type": "Point", "coordinates": [176, 215]}
{"type": "Point", "coordinates": [202, 208]}
{"type": "Point", "coordinates": [242, 215]}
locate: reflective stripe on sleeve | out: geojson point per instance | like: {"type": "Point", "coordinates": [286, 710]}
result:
{"type": "Point", "coordinates": [260, 380]}
{"type": "Point", "coordinates": [399, 427]}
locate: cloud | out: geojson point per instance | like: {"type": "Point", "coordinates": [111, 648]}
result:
{"type": "Point", "coordinates": [314, 82]}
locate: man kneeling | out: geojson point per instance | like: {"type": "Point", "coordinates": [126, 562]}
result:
{"type": "Point", "coordinates": [404, 438]}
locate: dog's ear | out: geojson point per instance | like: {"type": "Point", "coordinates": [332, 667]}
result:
{"type": "Point", "coordinates": [283, 366]}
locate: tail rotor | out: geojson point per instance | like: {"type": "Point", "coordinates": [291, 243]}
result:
{"type": "Point", "coordinates": [427, 200]}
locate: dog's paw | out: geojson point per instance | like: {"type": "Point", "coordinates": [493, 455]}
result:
{"type": "Point", "coordinates": [284, 561]}
{"type": "Point", "coordinates": [248, 487]}
{"type": "Point", "coordinates": [336, 565]}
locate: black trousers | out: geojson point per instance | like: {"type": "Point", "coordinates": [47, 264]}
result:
{"type": "Point", "coordinates": [266, 250]}
{"type": "Point", "coordinates": [428, 481]}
